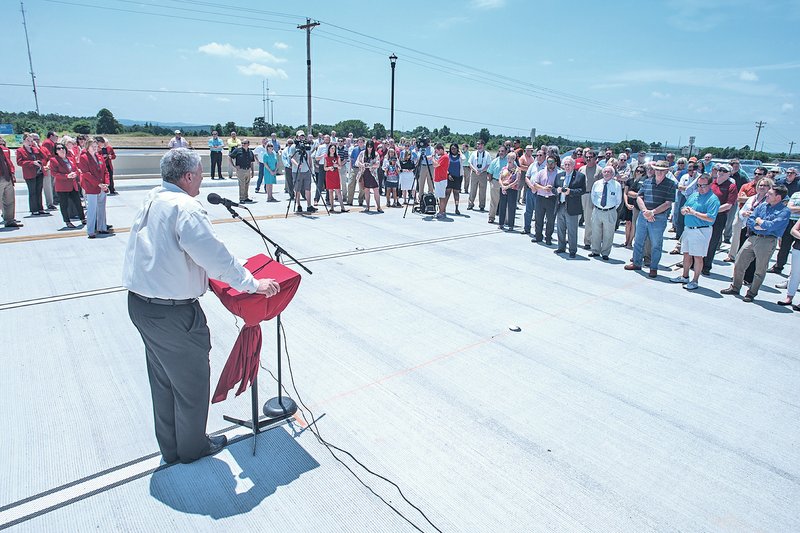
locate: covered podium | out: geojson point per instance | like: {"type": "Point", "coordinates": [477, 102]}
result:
{"type": "Point", "coordinates": [245, 357]}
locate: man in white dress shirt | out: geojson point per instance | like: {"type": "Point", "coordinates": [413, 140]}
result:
{"type": "Point", "coordinates": [171, 253]}
{"type": "Point", "coordinates": [606, 195]}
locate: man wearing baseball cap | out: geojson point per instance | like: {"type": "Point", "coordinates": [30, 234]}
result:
{"type": "Point", "coordinates": [724, 188]}
{"type": "Point", "coordinates": [178, 141]}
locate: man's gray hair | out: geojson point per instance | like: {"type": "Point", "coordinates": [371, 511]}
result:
{"type": "Point", "coordinates": [567, 159]}
{"type": "Point", "coordinates": [178, 162]}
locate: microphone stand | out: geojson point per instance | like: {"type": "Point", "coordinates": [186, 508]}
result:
{"type": "Point", "coordinates": [279, 408]}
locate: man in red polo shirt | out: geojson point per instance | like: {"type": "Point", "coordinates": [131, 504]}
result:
{"type": "Point", "coordinates": [725, 190]}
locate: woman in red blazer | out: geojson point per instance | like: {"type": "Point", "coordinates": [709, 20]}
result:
{"type": "Point", "coordinates": [65, 177]}
{"type": "Point", "coordinates": [30, 159]}
{"type": "Point", "coordinates": [94, 180]}
{"type": "Point", "coordinates": [107, 152]}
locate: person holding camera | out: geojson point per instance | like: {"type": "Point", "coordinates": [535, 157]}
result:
{"type": "Point", "coordinates": [368, 162]}
{"type": "Point", "coordinates": [242, 158]}
{"type": "Point", "coordinates": [333, 183]}
{"type": "Point", "coordinates": [107, 152]}
{"type": "Point", "coordinates": [301, 172]}
{"type": "Point", "coordinates": [440, 175]}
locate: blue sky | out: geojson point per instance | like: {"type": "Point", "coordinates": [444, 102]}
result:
{"type": "Point", "coordinates": [655, 71]}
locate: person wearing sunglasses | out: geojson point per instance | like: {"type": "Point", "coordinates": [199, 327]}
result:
{"type": "Point", "coordinates": [687, 185]}
{"type": "Point", "coordinates": [65, 175]}
{"type": "Point", "coordinates": [7, 181]}
{"type": "Point", "coordinates": [725, 189]}
{"type": "Point", "coordinates": [699, 212]}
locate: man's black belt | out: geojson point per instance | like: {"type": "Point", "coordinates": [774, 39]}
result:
{"type": "Point", "coordinates": [161, 301]}
{"type": "Point", "coordinates": [604, 208]}
{"type": "Point", "coordinates": [766, 236]}
{"type": "Point", "coordinates": [697, 227]}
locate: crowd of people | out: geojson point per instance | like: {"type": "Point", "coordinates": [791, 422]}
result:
{"type": "Point", "coordinates": [702, 202]}
{"type": "Point", "coordinates": [71, 173]}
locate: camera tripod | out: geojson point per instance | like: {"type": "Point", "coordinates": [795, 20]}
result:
{"type": "Point", "coordinates": [423, 157]}
{"type": "Point", "coordinates": [292, 193]}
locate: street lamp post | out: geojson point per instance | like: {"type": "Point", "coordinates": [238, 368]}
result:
{"type": "Point", "coordinates": [393, 62]}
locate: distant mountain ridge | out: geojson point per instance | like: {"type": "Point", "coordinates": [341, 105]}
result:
{"type": "Point", "coordinates": [170, 125]}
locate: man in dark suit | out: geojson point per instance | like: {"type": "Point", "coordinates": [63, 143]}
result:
{"type": "Point", "coordinates": [569, 186]}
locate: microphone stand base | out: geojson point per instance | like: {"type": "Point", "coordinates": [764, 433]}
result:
{"type": "Point", "coordinates": [280, 407]}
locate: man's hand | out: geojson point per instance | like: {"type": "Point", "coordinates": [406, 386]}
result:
{"type": "Point", "coordinates": [268, 287]}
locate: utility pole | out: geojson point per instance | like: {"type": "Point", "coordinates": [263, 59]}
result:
{"type": "Point", "coordinates": [263, 102]}
{"type": "Point", "coordinates": [760, 124]}
{"type": "Point", "coordinates": [308, 26]}
{"type": "Point", "coordinates": [791, 145]}
{"type": "Point", "coordinates": [30, 61]}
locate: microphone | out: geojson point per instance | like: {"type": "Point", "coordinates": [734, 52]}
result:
{"type": "Point", "coordinates": [214, 198]}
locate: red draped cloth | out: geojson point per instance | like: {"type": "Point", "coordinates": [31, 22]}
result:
{"type": "Point", "coordinates": [243, 362]}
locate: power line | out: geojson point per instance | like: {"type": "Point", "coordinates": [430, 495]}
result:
{"type": "Point", "coordinates": [164, 15]}
{"type": "Point", "coordinates": [321, 98]}
{"type": "Point", "coordinates": [530, 89]}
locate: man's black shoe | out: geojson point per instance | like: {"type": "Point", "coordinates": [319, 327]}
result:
{"type": "Point", "coordinates": [592, 254]}
{"type": "Point", "coordinates": [559, 251]}
{"type": "Point", "coordinates": [311, 209]}
{"type": "Point", "coordinates": [298, 210]}
{"type": "Point", "coordinates": [215, 445]}
{"type": "Point", "coordinates": [14, 225]}
{"type": "Point", "coordinates": [729, 290]}
{"type": "Point", "coordinates": [587, 246]}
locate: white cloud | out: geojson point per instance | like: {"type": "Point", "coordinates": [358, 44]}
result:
{"type": "Point", "coordinates": [86, 40]}
{"type": "Point", "coordinates": [222, 99]}
{"type": "Point", "coordinates": [487, 4]}
{"type": "Point", "coordinates": [748, 75]}
{"type": "Point", "coordinates": [449, 22]}
{"type": "Point", "coordinates": [787, 107]}
{"type": "Point", "coordinates": [727, 79]}
{"type": "Point", "coordinates": [248, 54]}
{"type": "Point", "coordinates": [281, 46]}
{"type": "Point", "coordinates": [546, 63]}
{"type": "Point", "coordinates": [151, 97]}
{"type": "Point", "coordinates": [657, 94]}
{"type": "Point", "coordinates": [257, 69]}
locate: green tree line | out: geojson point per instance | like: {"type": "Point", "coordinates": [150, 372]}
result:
{"type": "Point", "coordinates": [105, 123]}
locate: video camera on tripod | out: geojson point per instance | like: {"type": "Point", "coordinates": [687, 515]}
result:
{"type": "Point", "coordinates": [423, 142]}
{"type": "Point", "coordinates": [302, 146]}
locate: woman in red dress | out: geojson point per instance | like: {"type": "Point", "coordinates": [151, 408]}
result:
{"type": "Point", "coordinates": [65, 176]}
{"type": "Point", "coordinates": [332, 180]}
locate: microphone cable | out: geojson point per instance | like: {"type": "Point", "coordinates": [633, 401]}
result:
{"type": "Point", "coordinates": [312, 425]}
